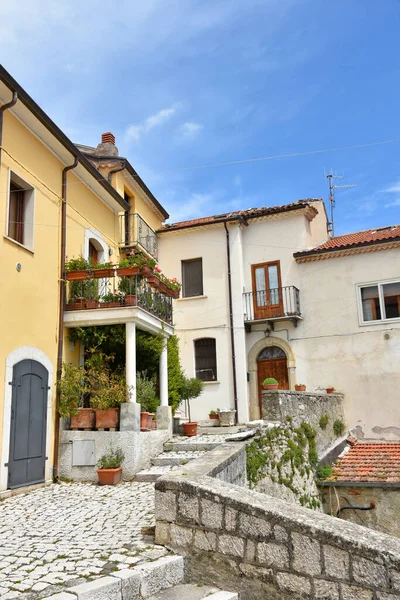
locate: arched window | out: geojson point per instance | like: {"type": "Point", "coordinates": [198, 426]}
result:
{"type": "Point", "coordinates": [271, 352]}
{"type": "Point", "coordinates": [205, 355]}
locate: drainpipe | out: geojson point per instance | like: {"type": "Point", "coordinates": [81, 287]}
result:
{"type": "Point", "coordinates": [126, 216]}
{"type": "Point", "coordinates": [228, 256]}
{"type": "Point", "coordinates": [3, 109]}
{"type": "Point", "coordinates": [61, 308]}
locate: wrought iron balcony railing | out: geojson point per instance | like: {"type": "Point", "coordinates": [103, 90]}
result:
{"type": "Point", "coordinates": [134, 231]}
{"type": "Point", "coordinates": [112, 291]}
{"type": "Point", "coordinates": [276, 303]}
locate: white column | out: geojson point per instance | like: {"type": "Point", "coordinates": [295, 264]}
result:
{"type": "Point", "coordinates": [164, 375]}
{"type": "Point", "coordinates": [131, 359]}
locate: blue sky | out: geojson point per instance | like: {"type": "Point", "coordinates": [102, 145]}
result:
{"type": "Point", "coordinates": [191, 82]}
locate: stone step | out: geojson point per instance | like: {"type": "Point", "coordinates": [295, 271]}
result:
{"type": "Point", "coordinates": [190, 591]}
{"type": "Point", "coordinates": [153, 473]}
{"type": "Point", "coordinates": [176, 458]}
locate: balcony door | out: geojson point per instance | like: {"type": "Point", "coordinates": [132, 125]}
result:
{"type": "Point", "coordinates": [267, 290]}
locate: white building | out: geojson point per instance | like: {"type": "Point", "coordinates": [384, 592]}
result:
{"type": "Point", "coordinates": [305, 308]}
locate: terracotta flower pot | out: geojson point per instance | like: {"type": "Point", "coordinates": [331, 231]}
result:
{"type": "Point", "coordinates": [110, 304]}
{"type": "Point", "coordinates": [77, 275]}
{"type": "Point", "coordinates": [109, 476]}
{"type": "Point", "coordinates": [91, 304]}
{"type": "Point", "coordinates": [124, 271]}
{"type": "Point", "coordinates": [75, 304]}
{"type": "Point", "coordinates": [271, 386]}
{"type": "Point", "coordinates": [99, 273]}
{"type": "Point", "coordinates": [146, 271]}
{"type": "Point", "coordinates": [213, 416]}
{"type": "Point", "coordinates": [330, 390]}
{"type": "Point", "coordinates": [154, 424]}
{"type": "Point", "coordinates": [130, 300]}
{"type": "Point", "coordinates": [107, 418]}
{"type": "Point", "coordinates": [144, 421]}
{"type": "Point", "coordinates": [175, 294]}
{"type": "Point", "coordinates": [154, 282]}
{"type": "Point", "coordinates": [300, 388]}
{"type": "Point", "coordinates": [85, 419]}
{"type": "Point", "coordinates": [189, 429]}
{"type": "Point", "coordinates": [150, 421]}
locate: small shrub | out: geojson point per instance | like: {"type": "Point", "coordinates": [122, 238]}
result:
{"type": "Point", "coordinates": [323, 422]}
{"type": "Point", "coordinates": [270, 381]}
{"type": "Point", "coordinates": [338, 427]}
{"type": "Point", "coordinates": [146, 392]}
{"type": "Point", "coordinates": [324, 471]}
{"type": "Point", "coordinates": [112, 459]}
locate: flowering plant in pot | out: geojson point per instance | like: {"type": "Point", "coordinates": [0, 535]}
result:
{"type": "Point", "coordinates": [270, 384]}
{"type": "Point", "coordinates": [190, 388]}
{"type": "Point", "coordinates": [109, 467]}
{"type": "Point", "coordinates": [300, 387]}
{"type": "Point", "coordinates": [72, 389]}
{"type": "Point", "coordinates": [147, 398]}
{"type": "Point", "coordinates": [78, 268]}
{"type": "Point", "coordinates": [127, 286]}
{"type": "Point", "coordinates": [131, 264]}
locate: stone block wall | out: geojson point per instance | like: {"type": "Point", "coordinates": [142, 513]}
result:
{"type": "Point", "coordinates": [264, 547]}
{"type": "Point", "coordinates": [305, 406]}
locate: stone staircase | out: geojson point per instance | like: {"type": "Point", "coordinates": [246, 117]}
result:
{"type": "Point", "coordinates": [188, 591]}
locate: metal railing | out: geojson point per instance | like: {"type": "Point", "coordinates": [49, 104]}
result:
{"type": "Point", "coordinates": [272, 303]}
{"type": "Point", "coordinates": [116, 292]}
{"type": "Point", "coordinates": [135, 231]}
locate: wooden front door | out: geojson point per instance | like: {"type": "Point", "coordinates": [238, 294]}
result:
{"type": "Point", "coordinates": [272, 362]}
{"type": "Point", "coordinates": [267, 290]}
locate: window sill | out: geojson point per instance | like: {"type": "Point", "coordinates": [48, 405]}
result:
{"type": "Point", "coordinates": [191, 298]}
{"type": "Point", "coordinates": [211, 382]}
{"type": "Point", "coordinates": [18, 244]}
{"type": "Point", "coordinates": [381, 322]}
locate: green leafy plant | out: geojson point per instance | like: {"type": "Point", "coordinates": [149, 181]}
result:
{"type": "Point", "coordinates": [338, 427]}
{"type": "Point", "coordinates": [112, 459]}
{"type": "Point", "coordinates": [270, 381]}
{"type": "Point", "coordinates": [127, 284]}
{"type": "Point", "coordinates": [106, 265]}
{"type": "Point", "coordinates": [116, 297]}
{"type": "Point", "coordinates": [78, 264]}
{"type": "Point", "coordinates": [190, 388]}
{"type": "Point", "coordinates": [212, 412]}
{"type": "Point", "coordinates": [71, 387]}
{"type": "Point", "coordinates": [146, 394]}
{"type": "Point", "coordinates": [324, 471]}
{"type": "Point", "coordinates": [111, 391]}
{"type": "Point", "coordinates": [323, 422]}
{"type": "Point", "coordinates": [134, 260]}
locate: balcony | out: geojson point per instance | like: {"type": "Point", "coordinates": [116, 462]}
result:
{"type": "Point", "coordinates": [135, 232]}
{"type": "Point", "coordinates": [95, 291]}
{"type": "Point", "coordinates": [277, 304]}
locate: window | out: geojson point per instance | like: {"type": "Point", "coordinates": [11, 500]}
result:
{"type": "Point", "coordinates": [192, 278]}
{"type": "Point", "coordinates": [205, 359]}
{"type": "Point", "coordinates": [20, 211]}
{"type": "Point", "coordinates": [380, 301]}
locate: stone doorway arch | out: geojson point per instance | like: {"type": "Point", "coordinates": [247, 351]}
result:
{"type": "Point", "coordinates": [254, 353]}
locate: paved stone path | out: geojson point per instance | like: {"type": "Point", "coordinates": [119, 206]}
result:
{"type": "Point", "coordinates": [51, 537]}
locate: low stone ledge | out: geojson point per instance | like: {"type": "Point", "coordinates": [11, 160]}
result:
{"type": "Point", "coordinates": [273, 544]}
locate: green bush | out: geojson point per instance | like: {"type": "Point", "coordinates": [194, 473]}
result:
{"type": "Point", "coordinates": [338, 427]}
{"type": "Point", "coordinates": [323, 422]}
{"type": "Point", "coordinates": [146, 392]}
{"type": "Point", "coordinates": [270, 381]}
{"type": "Point", "coordinates": [324, 471]}
{"type": "Point", "coordinates": [112, 459]}
{"type": "Point", "coordinates": [190, 388]}
{"type": "Point", "coordinates": [72, 388]}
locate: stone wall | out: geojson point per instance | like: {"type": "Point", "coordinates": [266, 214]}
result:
{"type": "Point", "coordinates": [384, 517]}
{"type": "Point", "coordinates": [139, 448]}
{"type": "Point", "coordinates": [263, 547]}
{"type": "Point", "coordinates": [305, 406]}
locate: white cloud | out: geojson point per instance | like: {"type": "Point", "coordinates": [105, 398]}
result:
{"type": "Point", "coordinates": [394, 188]}
{"type": "Point", "coordinates": [134, 132]}
{"type": "Point", "coordinates": [393, 203]}
{"type": "Point", "coordinates": [190, 129]}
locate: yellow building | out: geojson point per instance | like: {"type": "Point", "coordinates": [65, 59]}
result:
{"type": "Point", "coordinates": [58, 199]}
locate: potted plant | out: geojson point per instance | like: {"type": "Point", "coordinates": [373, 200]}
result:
{"type": "Point", "coordinates": [100, 270]}
{"type": "Point", "coordinates": [213, 414]}
{"type": "Point", "coordinates": [72, 388]}
{"type": "Point", "coordinates": [330, 390]}
{"type": "Point", "coordinates": [111, 300]}
{"type": "Point", "coordinates": [148, 266]}
{"type": "Point", "coordinates": [131, 264]}
{"type": "Point", "coordinates": [127, 286]}
{"type": "Point", "coordinates": [226, 417]}
{"type": "Point", "coordinates": [108, 392]}
{"type": "Point", "coordinates": [109, 467]}
{"type": "Point", "coordinates": [77, 268]}
{"type": "Point", "coordinates": [270, 384]}
{"type": "Point", "coordinates": [147, 398]}
{"type": "Point", "coordinates": [190, 388]}
{"type": "Point", "coordinates": [300, 387]}
{"type": "Point", "coordinates": [82, 293]}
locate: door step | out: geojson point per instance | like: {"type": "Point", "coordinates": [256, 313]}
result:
{"type": "Point", "coordinates": [153, 473]}
{"type": "Point", "coordinates": [190, 591]}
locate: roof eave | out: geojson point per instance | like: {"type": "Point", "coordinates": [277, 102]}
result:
{"type": "Point", "coordinates": [311, 253]}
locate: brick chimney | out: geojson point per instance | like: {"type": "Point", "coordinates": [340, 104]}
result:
{"type": "Point", "coordinates": [107, 146]}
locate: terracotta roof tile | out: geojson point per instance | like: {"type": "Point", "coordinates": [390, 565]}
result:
{"type": "Point", "coordinates": [369, 462]}
{"type": "Point", "coordinates": [245, 214]}
{"type": "Point", "coordinates": [358, 238]}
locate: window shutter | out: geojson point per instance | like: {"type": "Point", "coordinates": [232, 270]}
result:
{"type": "Point", "coordinates": [206, 359]}
{"type": "Point", "coordinates": [192, 277]}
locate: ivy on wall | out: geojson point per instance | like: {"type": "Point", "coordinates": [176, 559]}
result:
{"type": "Point", "coordinates": [110, 340]}
{"type": "Point", "coordinates": [286, 455]}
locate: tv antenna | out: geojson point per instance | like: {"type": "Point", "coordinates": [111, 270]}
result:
{"type": "Point", "coordinates": [332, 200]}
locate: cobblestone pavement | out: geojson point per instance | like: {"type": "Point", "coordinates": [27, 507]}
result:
{"type": "Point", "coordinates": [65, 534]}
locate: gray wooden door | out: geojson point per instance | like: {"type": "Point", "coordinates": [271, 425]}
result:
{"type": "Point", "coordinates": [26, 464]}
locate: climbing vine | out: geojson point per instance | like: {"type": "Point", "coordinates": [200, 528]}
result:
{"type": "Point", "coordinates": [287, 455]}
